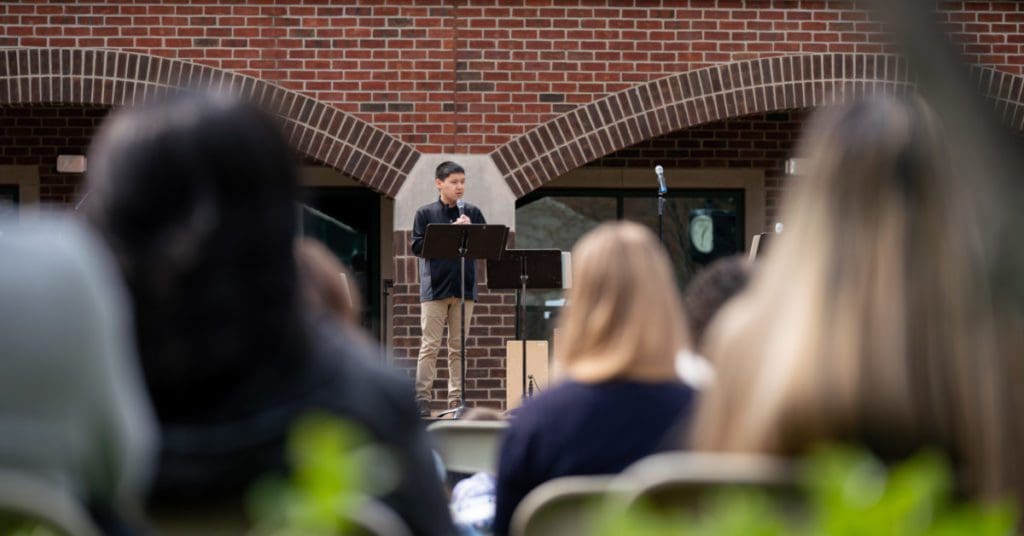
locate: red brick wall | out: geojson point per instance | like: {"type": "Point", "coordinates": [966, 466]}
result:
{"type": "Point", "coordinates": [35, 135]}
{"type": "Point", "coordinates": [469, 78]}
{"type": "Point", "coordinates": [762, 141]}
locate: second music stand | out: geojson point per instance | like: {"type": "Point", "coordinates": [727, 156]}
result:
{"type": "Point", "coordinates": [520, 269]}
{"type": "Point", "coordinates": [464, 241]}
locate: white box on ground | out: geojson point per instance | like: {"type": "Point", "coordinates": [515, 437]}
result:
{"type": "Point", "coordinates": [537, 369]}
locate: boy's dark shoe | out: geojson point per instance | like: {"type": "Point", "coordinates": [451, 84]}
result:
{"type": "Point", "coordinates": [423, 408]}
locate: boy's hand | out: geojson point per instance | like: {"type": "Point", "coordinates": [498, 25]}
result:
{"type": "Point", "coordinates": [463, 220]}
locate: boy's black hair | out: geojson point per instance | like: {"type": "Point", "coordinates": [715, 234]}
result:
{"type": "Point", "coordinates": [447, 168]}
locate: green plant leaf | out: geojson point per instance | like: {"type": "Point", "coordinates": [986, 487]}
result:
{"type": "Point", "coordinates": [329, 460]}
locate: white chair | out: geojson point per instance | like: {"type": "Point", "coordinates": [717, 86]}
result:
{"type": "Point", "coordinates": [468, 446]}
{"type": "Point", "coordinates": [564, 506]}
{"type": "Point", "coordinates": [680, 479]}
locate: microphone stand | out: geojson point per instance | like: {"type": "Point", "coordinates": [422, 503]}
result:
{"type": "Point", "coordinates": [521, 325]}
{"type": "Point", "coordinates": [533, 383]}
{"type": "Point", "coordinates": [463, 247]}
{"type": "Point", "coordinates": [458, 412]}
{"type": "Point", "coordinates": [462, 327]}
{"type": "Point", "coordinates": [662, 190]}
{"type": "Point", "coordinates": [661, 215]}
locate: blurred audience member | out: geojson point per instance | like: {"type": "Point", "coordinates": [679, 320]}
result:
{"type": "Point", "coordinates": [74, 415]}
{"type": "Point", "coordinates": [622, 327]}
{"type": "Point", "coordinates": [196, 197]}
{"type": "Point", "coordinates": [472, 504]}
{"type": "Point", "coordinates": [326, 283]}
{"type": "Point", "coordinates": [710, 289]}
{"type": "Point", "coordinates": [473, 495]}
{"type": "Point", "coordinates": [704, 296]}
{"type": "Point", "coordinates": [871, 320]}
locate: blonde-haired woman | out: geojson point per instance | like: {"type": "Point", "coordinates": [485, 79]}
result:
{"type": "Point", "coordinates": [872, 320]}
{"type": "Point", "coordinates": [623, 327]}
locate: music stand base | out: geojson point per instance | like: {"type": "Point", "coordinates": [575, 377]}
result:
{"type": "Point", "coordinates": [457, 413]}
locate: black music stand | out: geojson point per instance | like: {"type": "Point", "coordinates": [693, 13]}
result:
{"type": "Point", "coordinates": [464, 241]}
{"type": "Point", "coordinates": [520, 269]}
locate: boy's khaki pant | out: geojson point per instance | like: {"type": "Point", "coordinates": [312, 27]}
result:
{"type": "Point", "coordinates": [433, 316]}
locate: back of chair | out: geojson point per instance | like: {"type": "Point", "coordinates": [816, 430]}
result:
{"type": "Point", "coordinates": [373, 518]}
{"type": "Point", "coordinates": [26, 500]}
{"type": "Point", "coordinates": [365, 517]}
{"type": "Point", "coordinates": [679, 480]}
{"type": "Point", "coordinates": [566, 506]}
{"type": "Point", "coordinates": [468, 446]}
{"type": "Point", "coordinates": [563, 506]}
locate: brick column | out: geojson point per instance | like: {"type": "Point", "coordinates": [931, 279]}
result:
{"type": "Point", "coordinates": [492, 324]}
{"type": "Point", "coordinates": [493, 320]}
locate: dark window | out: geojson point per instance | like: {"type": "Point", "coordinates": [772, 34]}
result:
{"type": "Point", "coordinates": [347, 220]}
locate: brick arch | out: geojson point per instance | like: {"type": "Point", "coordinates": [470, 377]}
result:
{"type": "Point", "coordinates": [117, 78]}
{"type": "Point", "coordinates": [711, 94]}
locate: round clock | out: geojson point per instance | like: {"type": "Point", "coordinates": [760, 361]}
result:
{"type": "Point", "coordinates": [701, 235]}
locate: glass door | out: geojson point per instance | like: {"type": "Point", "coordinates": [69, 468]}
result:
{"type": "Point", "coordinates": [347, 221]}
{"type": "Point", "coordinates": [698, 227]}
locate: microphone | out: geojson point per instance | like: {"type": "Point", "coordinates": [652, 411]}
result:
{"type": "Point", "coordinates": [660, 172]}
{"type": "Point", "coordinates": [461, 203]}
